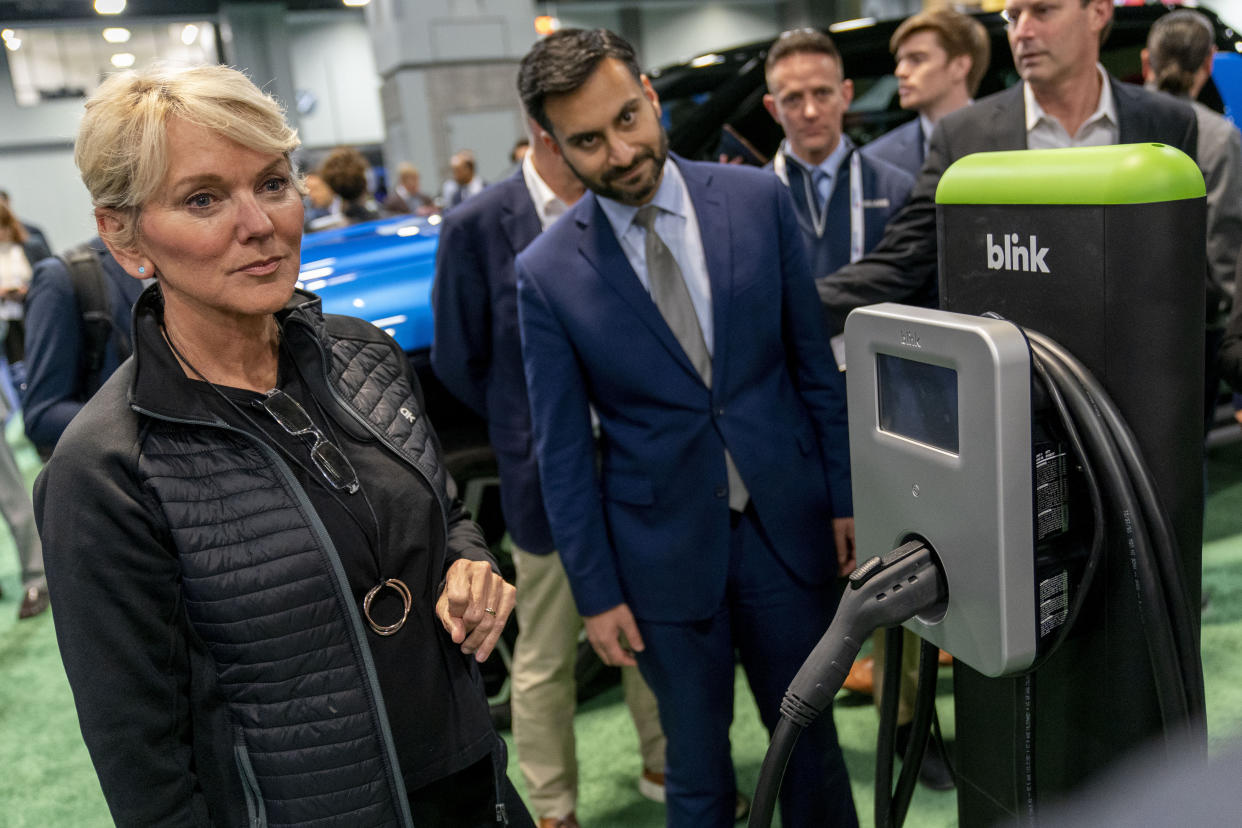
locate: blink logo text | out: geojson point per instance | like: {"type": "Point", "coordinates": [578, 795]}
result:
{"type": "Point", "coordinates": [1011, 255]}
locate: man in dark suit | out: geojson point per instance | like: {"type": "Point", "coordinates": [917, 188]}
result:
{"type": "Point", "coordinates": [941, 57]}
{"type": "Point", "coordinates": [1066, 99]}
{"type": "Point", "coordinates": [843, 198]}
{"type": "Point", "coordinates": [477, 355]}
{"type": "Point", "coordinates": [674, 300]}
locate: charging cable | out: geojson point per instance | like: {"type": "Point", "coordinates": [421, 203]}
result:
{"type": "Point", "coordinates": [881, 592]}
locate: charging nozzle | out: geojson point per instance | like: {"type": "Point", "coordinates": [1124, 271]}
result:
{"type": "Point", "coordinates": [882, 592]}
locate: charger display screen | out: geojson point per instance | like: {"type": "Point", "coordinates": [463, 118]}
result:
{"type": "Point", "coordinates": [918, 401]}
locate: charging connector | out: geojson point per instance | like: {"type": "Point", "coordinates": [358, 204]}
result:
{"type": "Point", "coordinates": [882, 592]}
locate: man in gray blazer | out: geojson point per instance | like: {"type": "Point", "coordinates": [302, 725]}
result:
{"type": "Point", "coordinates": [1066, 99]}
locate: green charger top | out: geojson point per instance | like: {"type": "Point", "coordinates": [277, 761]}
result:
{"type": "Point", "coordinates": [1117, 174]}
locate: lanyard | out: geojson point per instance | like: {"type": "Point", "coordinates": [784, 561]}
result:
{"type": "Point", "coordinates": [819, 217]}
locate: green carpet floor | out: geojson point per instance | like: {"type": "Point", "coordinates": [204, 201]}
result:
{"type": "Point", "coordinates": [47, 779]}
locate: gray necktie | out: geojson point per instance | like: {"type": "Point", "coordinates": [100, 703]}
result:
{"type": "Point", "coordinates": [672, 297]}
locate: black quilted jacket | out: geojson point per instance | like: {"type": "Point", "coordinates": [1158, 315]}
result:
{"type": "Point", "coordinates": [218, 662]}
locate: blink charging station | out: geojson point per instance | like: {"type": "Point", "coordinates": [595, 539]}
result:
{"type": "Point", "coordinates": [1032, 457]}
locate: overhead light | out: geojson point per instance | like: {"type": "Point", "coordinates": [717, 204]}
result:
{"type": "Point", "coordinates": [189, 34]}
{"type": "Point", "coordinates": [847, 25]}
{"type": "Point", "coordinates": [546, 24]}
{"type": "Point", "coordinates": [5, 34]}
{"type": "Point", "coordinates": [355, 3]}
{"type": "Point", "coordinates": [13, 43]}
{"type": "Point", "coordinates": [123, 60]}
{"type": "Point", "coordinates": [109, 6]}
{"type": "Point", "coordinates": [116, 35]}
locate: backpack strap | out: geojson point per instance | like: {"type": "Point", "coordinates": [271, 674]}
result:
{"type": "Point", "coordinates": [90, 288]}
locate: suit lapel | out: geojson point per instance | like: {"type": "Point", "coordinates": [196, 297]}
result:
{"type": "Point", "coordinates": [1132, 121]}
{"type": "Point", "coordinates": [519, 220]}
{"type": "Point", "coordinates": [598, 244]}
{"type": "Point", "coordinates": [713, 216]}
{"type": "Point", "coordinates": [1010, 119]}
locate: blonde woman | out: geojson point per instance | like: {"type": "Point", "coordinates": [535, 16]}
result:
{"type": "Point", "coordinates": [270, 604]}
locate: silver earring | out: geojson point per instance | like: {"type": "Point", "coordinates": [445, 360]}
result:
{"type": "Point", "coordinates": [141, 269]}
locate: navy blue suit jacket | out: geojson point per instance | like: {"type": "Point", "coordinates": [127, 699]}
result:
{"type": "Point", "coordinates": [649, 525]}
{"type": "Point", "coordinates": [902, 147]}
{"type": "Point", "coordinates": [476, 352]}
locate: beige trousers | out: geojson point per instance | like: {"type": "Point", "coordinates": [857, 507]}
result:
{"type": "Point", "coordinates": [544, 695]}
{"type": "Point", "coordinates": [909, 672]}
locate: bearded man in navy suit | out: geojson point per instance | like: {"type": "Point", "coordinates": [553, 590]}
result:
{"type": "Point", "coordinates": [713, 513]}
{"type": "Point", "coordinates": [477, 355]}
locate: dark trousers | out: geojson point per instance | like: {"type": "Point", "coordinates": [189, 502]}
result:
{"type": "Point", "coordinates": [772, 620]}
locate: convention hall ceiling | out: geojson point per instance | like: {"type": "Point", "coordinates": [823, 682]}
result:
{"type": "Point", "coordinates": [48, 11]}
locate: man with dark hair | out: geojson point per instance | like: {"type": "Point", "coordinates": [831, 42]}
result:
{"type": "Point", "coordinates": [843, 198]}
{"type": "Point", "coordinates": [1066, 98]}
{"type": "Point", "coordinates": [674, 300]}
{"type": "Point", "coordinates": [477, 355]}
{"type": "Point", "coordinates": [941, 57]}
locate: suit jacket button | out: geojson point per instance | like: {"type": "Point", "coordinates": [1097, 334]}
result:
{"type": "Point", "coordinates": [719, 412]}
{"type": "Point", "coordinates": [722, 491]}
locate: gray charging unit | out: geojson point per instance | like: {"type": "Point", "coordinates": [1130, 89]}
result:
{"type": "Point", "coordinates": [1102, 250]}
{"type": "Point", "coordinates": [940, 436]}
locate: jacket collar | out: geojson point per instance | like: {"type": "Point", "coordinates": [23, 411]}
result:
{"type": "Point", "coordinates": [159, 387]}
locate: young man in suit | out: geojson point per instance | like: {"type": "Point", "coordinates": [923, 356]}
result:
{"type": "Point", "coordinates": [941, 57]}
{"type": "Point", "coordinates": [674, 300]}
{"type": "Point", "coordinates": [1065, 99]}
{"type": "Point", "coordinates": [477, 355]}
{"type": "Point", "coordinates": [843, 198]}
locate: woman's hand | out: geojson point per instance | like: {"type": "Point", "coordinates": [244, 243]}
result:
{"type": "Point", "coordinates": [474, 606]}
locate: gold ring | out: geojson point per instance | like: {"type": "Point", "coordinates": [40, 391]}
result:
{"type": "Point", "coordinates": [406, 598]}
{"type": "Point", "coordinates": [489, 610]}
